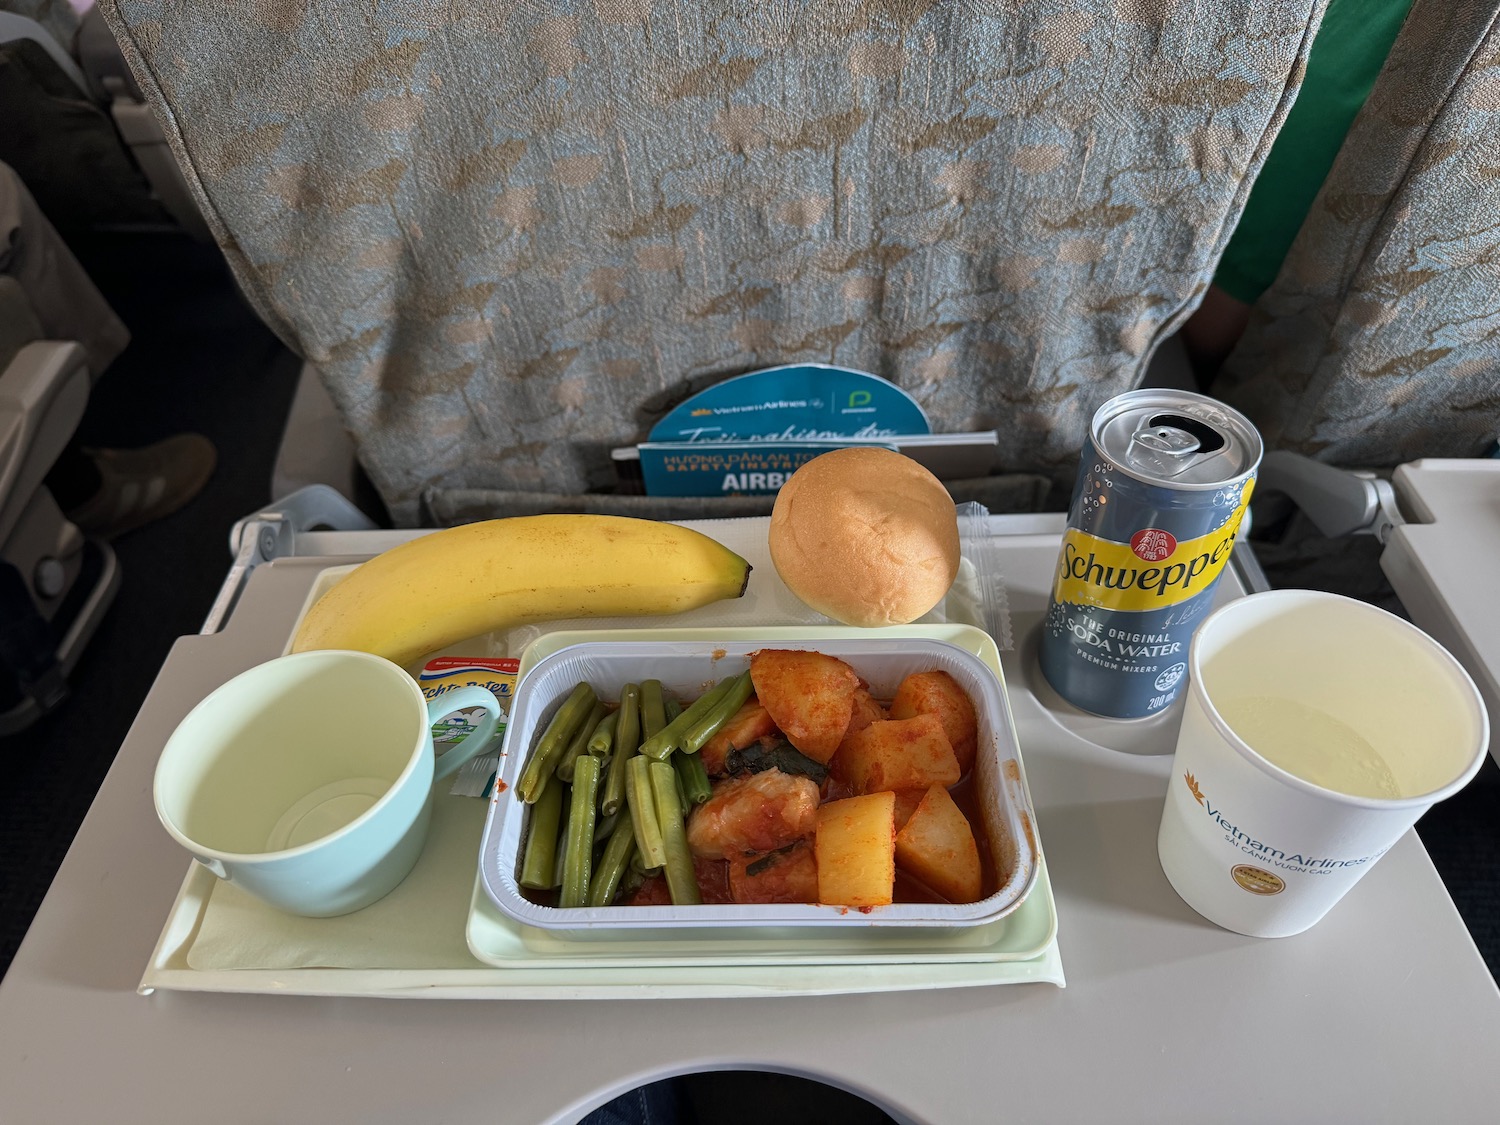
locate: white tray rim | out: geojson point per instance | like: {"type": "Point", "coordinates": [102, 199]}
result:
{"type": "Point", "coordinates": [168, 970]}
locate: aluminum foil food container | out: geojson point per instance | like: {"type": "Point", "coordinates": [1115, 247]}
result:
{"type": "Point", "coordinates": [688, 668]}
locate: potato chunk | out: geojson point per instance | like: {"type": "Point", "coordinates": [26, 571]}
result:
{"type": "Point", "coordinates": [855, 846]}
{"type": "Point", "coordinates": [810, 697]}
{"type": "Point", "coordinates": [745, 727]}
{"type": "Point", "coordinates": [937, 846]}
{"type": "Point", "coordinates": [867, 710]}
{"type": "Point", "coordinates": [907, 801]}
{"type": "Point", "coordinates": [898, 754]}
{"type": "Point", "coordinates": [937, 693]}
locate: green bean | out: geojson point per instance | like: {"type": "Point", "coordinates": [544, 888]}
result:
{"type": "Point", "coordinates": [644, 817]}
{"type": "Point", "coordinates": [671, 707]}
{"type": "Point", "coordinates": [580, 739]}
{"type": "Point", "coordinates": [540, 861]}
{"type": "Point", "coordinates": [612, 865]}
{"type": "Point", "coordinates": [554, 741]}
{"type": "Point", "coordinates": [627, 740]}
{"type": "Point", "coordinates": [578, 862]}
{"type": "Point", "coordinates": [682, 880]}
{"type": "Point", "coordinates": [721, 712]}
{"type": "Point", "coordinates": [604, 828]}
{"type": "Point", "coordinates": [660, 746]}
{"type": "Point", "coordinates": [693, 777]}
{"type": "Point", "coordinates": [602, 741]}
{"type": "Point", "coordinates": [560, 859]}
{"type": "Point", "coordinates": [653, 708]}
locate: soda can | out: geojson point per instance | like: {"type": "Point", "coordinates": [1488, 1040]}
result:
{"type": "Point", "coordinates": [1162, 488]}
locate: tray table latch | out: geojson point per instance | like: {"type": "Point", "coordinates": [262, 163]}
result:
{"type": "Point", "coordinates": [271, 533]}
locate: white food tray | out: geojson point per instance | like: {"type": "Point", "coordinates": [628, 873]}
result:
{"type": "Point", "coordinates": [473, 952]}
{"type": "Point", "coordinates": [509, 961]}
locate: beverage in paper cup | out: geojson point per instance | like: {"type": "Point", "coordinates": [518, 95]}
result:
{"type": "Point", "coordinates": [1317, 730]}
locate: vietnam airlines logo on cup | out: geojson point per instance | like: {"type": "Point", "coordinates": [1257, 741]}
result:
{"type": "Point", "coordinates": [1257, 880]}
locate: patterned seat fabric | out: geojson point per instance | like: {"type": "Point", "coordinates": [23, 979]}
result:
{"type": "Point", "coordinates": [510, 236]}
{"type": "Point", "coordinates": [1377, 343]}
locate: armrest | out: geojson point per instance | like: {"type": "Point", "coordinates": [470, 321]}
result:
{"type": "Point", "coordinates": [43, 393]}
{"type": "Point", "coordinates": [1338, 501]}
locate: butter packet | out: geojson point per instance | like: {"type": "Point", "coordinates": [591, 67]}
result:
{"type": "Point", "coordinates": [445, 674]}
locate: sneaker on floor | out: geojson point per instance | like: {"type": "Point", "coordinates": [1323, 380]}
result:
{"type": "Point", "coordinates": [143, 485]}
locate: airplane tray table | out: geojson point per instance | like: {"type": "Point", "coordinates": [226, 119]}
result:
{"type": "Point", "coordinates": [1383, 1012]}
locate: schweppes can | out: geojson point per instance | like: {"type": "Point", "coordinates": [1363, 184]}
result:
{"type": "Point", "coordinates": [1162, 489]}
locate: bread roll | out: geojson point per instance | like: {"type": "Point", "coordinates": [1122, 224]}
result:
{"type": "Point", "coordinates": [865, 535]}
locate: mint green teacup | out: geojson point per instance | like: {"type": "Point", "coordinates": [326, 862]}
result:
{"type": "Point", "coordinates": [307, 780]}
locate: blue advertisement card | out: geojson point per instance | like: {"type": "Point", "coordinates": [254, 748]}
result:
{"type": "Point", "coordinates": [796, 403]}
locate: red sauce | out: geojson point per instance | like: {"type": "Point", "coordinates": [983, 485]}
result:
{"type": "Point", "coordinates": [967, 799]}
{"type": "Point", "coordinates": [652, 892]}
{"type": "Point", "coordinates": [713, 885]}
{"type": "Point", "coordinates": [713, 880]}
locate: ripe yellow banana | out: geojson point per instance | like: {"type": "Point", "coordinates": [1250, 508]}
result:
{"type": "Point", "coordinates": [440, 588]}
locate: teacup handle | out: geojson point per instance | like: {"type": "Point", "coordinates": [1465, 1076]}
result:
{"type": "Point", "coordinates": [475, 741]}
{"type": "Point", "coordinates": [214, 865]}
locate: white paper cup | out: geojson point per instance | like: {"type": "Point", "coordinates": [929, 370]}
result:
{"type": "Point", "coordinates": [1267, 852]}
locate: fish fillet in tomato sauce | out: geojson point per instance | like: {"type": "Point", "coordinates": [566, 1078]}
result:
{"type": "Point", "coordinates": [759, 813]}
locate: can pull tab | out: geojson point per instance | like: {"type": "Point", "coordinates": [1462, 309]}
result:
{"type": "Point", "coordinates": [1170, 444]}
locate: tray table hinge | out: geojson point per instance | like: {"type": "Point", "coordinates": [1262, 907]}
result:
{"type": "Point", "coordinates": [271, 533]}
